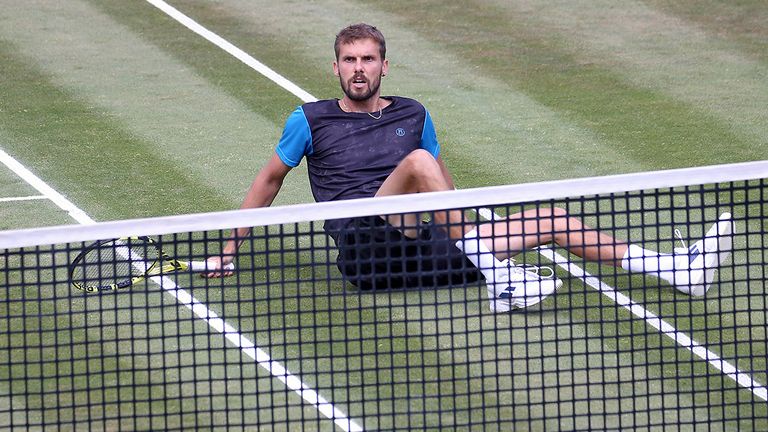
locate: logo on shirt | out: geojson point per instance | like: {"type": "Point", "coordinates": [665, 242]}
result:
{"type": "Point", "coordinates": [400, 132]}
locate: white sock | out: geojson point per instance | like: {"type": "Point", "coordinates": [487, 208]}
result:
{"type": "Point", "coordinates": [478, 253]}
{"type": "Point", "coordinates": [642, 260]}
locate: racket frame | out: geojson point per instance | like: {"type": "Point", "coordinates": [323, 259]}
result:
{"type": "Point", "coordinates": [170, 265]}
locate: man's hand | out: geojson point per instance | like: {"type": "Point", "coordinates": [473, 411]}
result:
{"type": "Point", "coordinates": [217, 266]}
{"type": "Point", "coordinates": [262, 192]}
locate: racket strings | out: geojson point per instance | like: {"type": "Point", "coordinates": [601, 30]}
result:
{"type": "Point", "coordinates": [115, 262]}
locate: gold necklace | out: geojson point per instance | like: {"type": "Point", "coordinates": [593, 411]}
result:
{"type": "Point", "coordinates": [346, 109]}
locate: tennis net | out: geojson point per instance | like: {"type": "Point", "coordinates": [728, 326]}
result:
{"type": "Point", "coordinates": [288, 342]}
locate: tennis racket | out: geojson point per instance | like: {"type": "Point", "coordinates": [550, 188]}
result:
{"type": "Point", "coordinates": [110, 265]}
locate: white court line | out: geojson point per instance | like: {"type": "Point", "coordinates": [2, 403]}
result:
{"type": "Point", "coordinates": [44, 189]}
{"type": "Point", "coordinates": [294, 383]}
{"type": "Point", "coordinates": [26, 198]}
{"type": "Point", "coordinates": [233, 50]}
{"type": "Point", "coordinates": [741, 378]}
{"type": "Point", "coordinates": [198, 308]}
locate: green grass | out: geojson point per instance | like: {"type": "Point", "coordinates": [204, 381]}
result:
{"type": "Point", "coordinates": [129, 114]}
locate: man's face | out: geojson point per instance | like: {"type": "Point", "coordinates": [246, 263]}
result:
{"type": "Point", "coordinates": [360, 68]}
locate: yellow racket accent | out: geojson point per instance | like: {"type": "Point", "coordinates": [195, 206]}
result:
{"type": "Point", "coordinates": [110, 265]}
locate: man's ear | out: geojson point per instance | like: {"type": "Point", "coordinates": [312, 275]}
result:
{"type": "Point", "coordinates": [336, 68]}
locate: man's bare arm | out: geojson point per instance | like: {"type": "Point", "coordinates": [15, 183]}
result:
{"type": "Point", "coordinates": [262, 193]}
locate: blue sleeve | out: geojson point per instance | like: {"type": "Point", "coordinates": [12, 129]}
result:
{"type": "Point", "coordinates": [429, 136]}
{"type": "Point", "coordinates": [296, 141]}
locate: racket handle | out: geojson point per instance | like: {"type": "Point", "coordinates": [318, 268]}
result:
{"type": "Point", "coordinates": [203, 266]}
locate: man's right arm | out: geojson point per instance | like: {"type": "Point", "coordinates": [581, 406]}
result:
{"type": "Point", "coordinates": [262, 192]}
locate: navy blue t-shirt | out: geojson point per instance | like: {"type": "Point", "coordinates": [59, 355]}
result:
{"type": "Point", "coordinates": [349, 155]}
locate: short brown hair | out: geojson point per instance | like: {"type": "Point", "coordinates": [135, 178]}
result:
{"type": "Point", "coordinates": [356, 32]}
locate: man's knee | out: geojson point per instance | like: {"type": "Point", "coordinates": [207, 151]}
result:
{"type": "Point", "coordinates": [420, 160]}
{"type": "Point", "coordinates": [419, 171]}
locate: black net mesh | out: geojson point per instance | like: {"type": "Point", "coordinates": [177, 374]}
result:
{"type": "Point", "coordinates": [398, 333]}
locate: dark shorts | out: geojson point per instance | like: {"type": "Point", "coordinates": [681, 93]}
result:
{"type": "Point", "coordinates": [376, 255]}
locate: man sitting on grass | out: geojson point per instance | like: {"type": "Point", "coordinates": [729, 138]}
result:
{"type": "Point", "coordinates": [365, 145]}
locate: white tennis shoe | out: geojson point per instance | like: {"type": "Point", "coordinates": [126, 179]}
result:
{"type": "Point", "coordinates": [695, 266]}
{"type": "Point", "coordinates": [517, 287]}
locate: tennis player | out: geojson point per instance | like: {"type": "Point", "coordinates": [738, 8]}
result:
{"type": "Point", "coordinates": [366, 145]}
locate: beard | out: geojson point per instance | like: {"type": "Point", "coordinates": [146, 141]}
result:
{"type": "Point", "coordinates": [360, 95]}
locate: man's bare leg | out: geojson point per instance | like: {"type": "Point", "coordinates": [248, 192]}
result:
{"type": "Point", "coordinates": [535, 227]}
{"type": "Point", "coordinates": [419, 172]}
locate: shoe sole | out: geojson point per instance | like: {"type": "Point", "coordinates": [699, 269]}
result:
{"type": "Point", "coordinates": [528, 301]}
{"type": "Point", "coordinates": [718, 244]}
